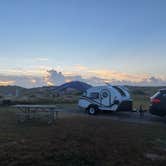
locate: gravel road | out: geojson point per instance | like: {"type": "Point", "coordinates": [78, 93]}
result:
{"type": "Point", "coordinates": [132, 117]}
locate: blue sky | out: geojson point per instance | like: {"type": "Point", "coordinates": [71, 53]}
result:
{"type": "Point", "coordinates": [125, 36]}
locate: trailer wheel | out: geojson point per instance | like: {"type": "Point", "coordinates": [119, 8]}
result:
{"type": "Point", "coordinates": [92, 110]}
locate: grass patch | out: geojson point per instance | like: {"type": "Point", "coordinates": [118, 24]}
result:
{"type": "Point", "coordinates": [79, 141]}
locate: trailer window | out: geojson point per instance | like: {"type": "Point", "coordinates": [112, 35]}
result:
{"type": "Point", "coordinates": [84, 94]}
{"type": "Point", "coordinates": [104, 94]}
{"type": "Point", "coordinates": [94, 95]}
{"type": "Point", "coordinates": [119, 90]}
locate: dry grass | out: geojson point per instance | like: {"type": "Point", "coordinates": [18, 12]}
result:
{"type": "Point", "coordinates": [80, 141]}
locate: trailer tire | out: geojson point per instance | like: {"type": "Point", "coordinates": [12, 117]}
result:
{"type": "Point", "coordinates": [92, 110]}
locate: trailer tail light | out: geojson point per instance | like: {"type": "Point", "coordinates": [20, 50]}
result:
{"type": "Point", "coordinates": [155, 101]}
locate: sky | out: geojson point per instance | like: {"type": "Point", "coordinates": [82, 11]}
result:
{"type": "Point", "coordinates": [96, 41]}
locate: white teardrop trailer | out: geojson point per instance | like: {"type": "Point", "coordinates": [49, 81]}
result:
{"type": "Point", "coordinates": [106, 98]}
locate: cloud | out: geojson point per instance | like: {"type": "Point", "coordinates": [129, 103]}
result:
{"type": "Point", "coordinates": [153, 81]}
{"type": "Point", "coordinates": [41, 59]}
{"type": "Point", "coordinates": [29, 81]}
{"type": "Point", "coordinates": [24, 81]}
{"type": "Point", "coordinates": [54, 78]}
{"type": "Point", "coordinates": [105, 74]}
{"type": "Point", "coordinates": [103, 77]}
{"type": "Point", "coordinates": [39, 71]}
{"type": "Point", "coordinates": [5, 83]}
{"type": "Point", "coordinates": [94, 77]}
{"type": "Point", "coordinates": [80, 68]}
{"type": "Point", "coordinates": [114, 75]}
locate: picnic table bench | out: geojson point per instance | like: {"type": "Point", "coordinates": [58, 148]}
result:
{"type": "Point", "coordinates": [28, 112]}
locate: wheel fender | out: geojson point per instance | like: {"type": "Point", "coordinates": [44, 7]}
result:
{"type": "Point", "coordinates": [93, 105]}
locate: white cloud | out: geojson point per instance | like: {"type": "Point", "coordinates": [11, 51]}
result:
{"type": "Point", "coordinates": [24, 81]}
{"type": "Point", "coordinates": [41, 59]}
{"type": "Point", "coordinates": [6, 82]}
{"type": "Point", "coordinates": [52, 77]}
{"type": "Point", "coordinates": [112, 77]}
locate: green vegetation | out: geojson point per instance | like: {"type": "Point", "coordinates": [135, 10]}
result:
{"type": "Point", "coordinates": [141, 95]}
{"type": "Point", "coordinates": [141, 100]}
{"type": "Point", "coordinates": [45, 95]}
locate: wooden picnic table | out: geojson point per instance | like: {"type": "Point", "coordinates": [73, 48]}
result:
{"type": "Point", "coordinates": [28, 112]}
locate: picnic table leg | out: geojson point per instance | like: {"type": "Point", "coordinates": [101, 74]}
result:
{"type": "Point", "coordinates": [28, 114]}
{"type": "Point", "coordinates": [51, 117]}
{"type": "Point", "coordinates": [33, 115]}
{"type": "Point", "coordinates": [21, 115]}
{"type": "Point", "coordinates": [56, 115]}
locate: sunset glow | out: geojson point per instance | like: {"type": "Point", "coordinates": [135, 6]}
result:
{"type": "Point", "coordinates": [93, 41]}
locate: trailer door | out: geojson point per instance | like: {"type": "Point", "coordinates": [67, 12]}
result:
{"type": "Point", "coordinates": [105, 97]}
